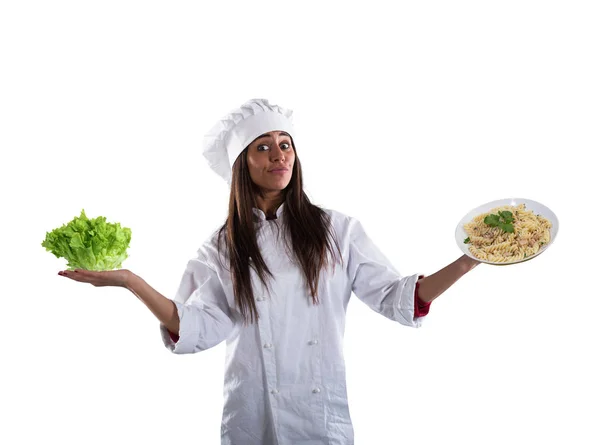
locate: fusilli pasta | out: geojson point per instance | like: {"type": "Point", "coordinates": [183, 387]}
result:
{"type": "Point", "coordinates": [531, 232]}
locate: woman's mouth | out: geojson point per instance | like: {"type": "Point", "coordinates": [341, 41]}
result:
{"type": "Point", "coordinates": [279, 171]}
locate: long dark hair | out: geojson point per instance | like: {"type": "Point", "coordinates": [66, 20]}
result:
{"type": "Point", "coordinates": [305, 226]}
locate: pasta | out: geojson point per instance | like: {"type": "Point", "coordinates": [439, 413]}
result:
{"type": "Point", "coordinates": [531, 232]}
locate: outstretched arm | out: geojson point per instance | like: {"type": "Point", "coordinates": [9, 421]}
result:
{"type": "Point", "coordinates": [433, 286]}
{"type": "Point", "coordinates": [163, 308]}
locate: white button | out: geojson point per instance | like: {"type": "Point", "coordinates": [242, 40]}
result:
{"type": "Point", "coordinates": [316, 390]}
{"type": "Point", "coordinates": [268, 345]}
{"type": "Point", "coordinates": [260, 299]}
{"type": "Point", "coordinates": [274, 391]}
{"type": "Point", "coordinates": [313, 342]}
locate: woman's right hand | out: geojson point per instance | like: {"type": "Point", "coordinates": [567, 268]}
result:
{"type": "Point", "coordinates": [119, 278]}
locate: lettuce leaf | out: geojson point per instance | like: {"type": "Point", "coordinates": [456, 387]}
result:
{"type": "Point", "coordinates": [91, 244]}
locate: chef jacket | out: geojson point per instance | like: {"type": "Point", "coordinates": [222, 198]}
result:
{"type": "Point", "coordinates": [285, 378]}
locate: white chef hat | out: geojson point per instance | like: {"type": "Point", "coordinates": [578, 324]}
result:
{"type": "Point", "coordinates": [234, 132]}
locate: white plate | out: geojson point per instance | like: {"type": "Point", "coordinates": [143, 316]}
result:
{"type": "Point", "coordinates": [534, 206]}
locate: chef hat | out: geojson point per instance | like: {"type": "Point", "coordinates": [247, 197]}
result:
{"type": "Point", "coordinates": [234, 132]}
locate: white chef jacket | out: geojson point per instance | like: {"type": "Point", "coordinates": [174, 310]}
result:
{"type": "Point", "coordinates": [285, 379]}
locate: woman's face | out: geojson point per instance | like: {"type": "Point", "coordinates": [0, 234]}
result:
{"type": "Point", "coordinates": [268, 153]}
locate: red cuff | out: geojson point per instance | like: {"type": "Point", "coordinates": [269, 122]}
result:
{"type": "Point", "coordinates": [174, 337]}
{"type": "Point", "coordinates": [421, 308]}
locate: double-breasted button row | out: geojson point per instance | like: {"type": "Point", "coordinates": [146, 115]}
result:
{"type": "Point", "coordinates": [270, 345]}
{"type": "Point", "coordinates": [315, 391]}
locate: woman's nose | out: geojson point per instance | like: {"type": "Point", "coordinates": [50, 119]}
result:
{"type": "Point", "coordinates": [278, 154]}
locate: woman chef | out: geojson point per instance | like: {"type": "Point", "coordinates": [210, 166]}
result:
{"type": "Point", "coordinates": [274, 282]}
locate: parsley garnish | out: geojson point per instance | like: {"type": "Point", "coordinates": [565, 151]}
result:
{"type": "Point", "coordinates": [467, 240]}
{"type": "Point", "coordinates": [503, 220]}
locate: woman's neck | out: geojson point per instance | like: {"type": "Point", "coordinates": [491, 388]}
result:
{"type": "Point", "coordinates": [269, 205]}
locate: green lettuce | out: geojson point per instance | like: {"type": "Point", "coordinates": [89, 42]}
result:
{"type": "Point", "coordinates": [91, 244]}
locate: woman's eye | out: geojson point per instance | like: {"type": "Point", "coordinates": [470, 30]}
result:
{"type": "Point", "coordinates": [284, 146]}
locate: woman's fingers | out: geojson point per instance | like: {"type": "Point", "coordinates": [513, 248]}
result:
{"type": "Point", "coordinates": [77, 276]}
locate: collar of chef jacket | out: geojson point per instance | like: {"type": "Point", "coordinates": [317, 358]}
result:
{"type": "Point", "coordinates": [259, 215]}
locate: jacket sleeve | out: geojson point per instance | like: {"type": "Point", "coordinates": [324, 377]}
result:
{"type": "Point", "coordinates": [205, 319]}
{"type": "Point", "coordinates": [377, 283]}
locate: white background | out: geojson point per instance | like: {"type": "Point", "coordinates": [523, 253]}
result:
{"type": "Point", "coordinates": [407, 118]}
